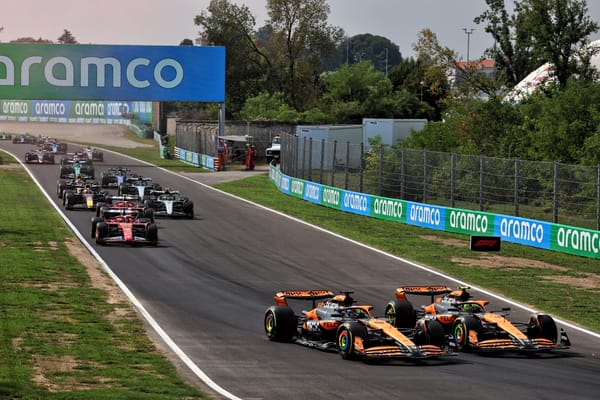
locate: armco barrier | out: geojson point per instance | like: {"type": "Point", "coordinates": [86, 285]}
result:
{"type": "Point", "coordinates": [528, 232]}
{"type": "Point", "coordinates": [199, 160]}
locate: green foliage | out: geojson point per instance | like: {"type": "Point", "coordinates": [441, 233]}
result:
{"type": "Point", "coordinates": [269, 107]}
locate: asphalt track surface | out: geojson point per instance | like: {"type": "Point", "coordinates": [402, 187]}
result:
{"type": "Point", "coordinates": [210, 280]}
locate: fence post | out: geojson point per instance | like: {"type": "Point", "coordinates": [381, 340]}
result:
{"type": "Point", "coordinates": [481, 172]}
{"type": "Point", "coordinates": [310, 159]}
{"type": "Point", "coordinates": [303, 155]}
{"type": "Point", "coordinates": [425, 172]}
{"type": "Point", "coordinates": [322, 160]}
{"type": "Point", "coordinates": [403, 173]}
{"type": "Point", "coordinates": [346, 165]}
{"type": "Point", "coordinates": [380, 168]}
{"type": "Point", "coordinates": [333, 163]}
{"type": "Point", "coordinates": [362, 153]}
{"type": "Point", "coordinates": [555, 195]}
{"type": "Point", "coordinates": [517, 184]}
{"type": "Point", "coordinates": [452, 179]}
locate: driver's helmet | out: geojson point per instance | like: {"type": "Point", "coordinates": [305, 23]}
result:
{"type": "Point", "coordinates": [352, 313]}
{"type": "Point", "coordinates": [470, 308]}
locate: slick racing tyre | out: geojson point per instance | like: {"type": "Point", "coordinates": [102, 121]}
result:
{"type": "Point", "coordinates": [542, 326]}
{"type": "Point", "coordinates": [152, 233]}
{"type": "Point", "coordinates": [101, 232]}
{"type": "Point", "coordinates": [68, 199]}
{"type": "Point", "coordinates": [401, 314]}
{"type": "Point", "coordinates": [346, 335]}
{"type": "Point", "coordinates": [462, 328]}
{"type": "Point", "coordinates": [280, 323]}
{"type": "Point", "coordinates": [430, 331]}
{"type": "Point", "coordinates": [95, 221]}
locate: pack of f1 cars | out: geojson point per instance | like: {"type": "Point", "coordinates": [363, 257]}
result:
{"type": "Point", "coordinates": [335, 324]}
{"type": "Point", "coordinates": [169, 203]}
{"type": "Point", "coordinates": [36, 156]}
{"type": "Point", "coordinates": [138, 185]}
{"type": "Point", "coordinates": [122, 225]}
{"type": "Point", "coordinates": [471, 327]}
{"type": "Point", "coordinates": [86, 197]}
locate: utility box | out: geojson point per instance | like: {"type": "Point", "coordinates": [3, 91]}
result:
{"type": "Point", "coordinates": [318, 143]}
{"type": "Point", "coordinates": [390, 130]}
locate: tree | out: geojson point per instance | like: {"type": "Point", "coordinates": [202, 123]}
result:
{"type": "Point", "coordinates": [301, 39]}
{"type": "Point", "coordinates": [186, 42]}
{"type": "Point", "coordinates": [67, 38]}
{"type": "Point", "coordinates": [382, 52]}
{"type": "Point", "coordinates": [540, 31]}
{"type": "Point", "coordinates": [247, 67]}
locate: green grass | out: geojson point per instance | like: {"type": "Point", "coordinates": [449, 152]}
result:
{"type": "Point", "coordinates": [60, 336]}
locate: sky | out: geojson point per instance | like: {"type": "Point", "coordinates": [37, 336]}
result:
{"type": "Point", "coordinates": [160, 22]}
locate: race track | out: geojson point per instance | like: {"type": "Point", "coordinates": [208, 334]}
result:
{"type": "Point", "coordinates": [210, 280]}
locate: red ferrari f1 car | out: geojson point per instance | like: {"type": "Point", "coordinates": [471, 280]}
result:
{"type": "Point", "coordinates": [471, 327]}
{"type": "Point", "coordinates": [335, 324]}
{"type": "Point", "coordinates": [121, 224]}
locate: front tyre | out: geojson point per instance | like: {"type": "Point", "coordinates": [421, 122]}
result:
{"type": "Point", "coordinates": [349, 337]}
{"type": "Point", "coordinates": [462, 329]}
{"type": "Point", "coordinates": [280, 323]}
{"type": "Point", "coordinates": [430, 331]}
{"type": "Point", "coordinates": [542, 326]}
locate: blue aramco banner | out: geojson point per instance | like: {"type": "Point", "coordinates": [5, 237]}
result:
{"type": "Point", "coordinates": [112, 72]}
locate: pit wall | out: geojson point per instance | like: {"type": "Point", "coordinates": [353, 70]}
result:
{"type": "Point", "coordinates": [528, 232]}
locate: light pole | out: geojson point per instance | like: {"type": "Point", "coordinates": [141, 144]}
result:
{"type": "Point", "coordinates": [468, 32]}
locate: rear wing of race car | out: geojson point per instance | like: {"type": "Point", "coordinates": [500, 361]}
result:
{"type": "Point", "coordinates": [313, 295]}
{"type": "Point", "coordinates": [432, 291]}
{"type": "Point", "coordinates": [115, 212]}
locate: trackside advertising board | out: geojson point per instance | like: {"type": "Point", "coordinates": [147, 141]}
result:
{"type": "Point", "coordinates": [112, 72]}
{"type": "Point", "coordinates": [528, 232]}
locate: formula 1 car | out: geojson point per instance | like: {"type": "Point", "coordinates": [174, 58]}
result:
{"type": "Point", "coordinates": [138, 185]}
{"type": "Point", "coordinates": [24, 139]}
{"type": "Point", "coordinates": [471, 327]}
{"type": "Point", "coordinates": [93, 154]}
{"type": "Point", "coordinates": [335, 324]}
{"type": "Point", "coordinates": [36, 156]}
{"type": "Point", "coordinates": [169, 203]}
{"type": "Point", "coordinates": [114, 177]}
{"type": "Point", "coordinates": [124, 226]}
{"type": "Point", "coordinates": [75, 184]}
{"type": "Point", "coordinates": [86, 197]}
{"type": "Point", "coordinates": [52, 145]}
{"type": "Point", "coordinates": [76, 168]}
{"type": "Point", "coordinates": [5, 136]}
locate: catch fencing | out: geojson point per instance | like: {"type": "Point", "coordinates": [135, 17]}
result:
{"type": "Point", "coordinates": [545, 191]}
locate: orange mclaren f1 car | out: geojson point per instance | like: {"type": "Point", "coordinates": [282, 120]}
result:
{"type": "Point", "coordinates": [335, 324]}
{"type": "Point", "coordinates": [471, 327]}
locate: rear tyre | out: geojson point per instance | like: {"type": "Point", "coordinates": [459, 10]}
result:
{"type": "Point", "coordinates": [346, 337]}
{"type": "Point", "coordinates": [401, 314]}
{"type": "Point", "coordinates": [542, 326]}
{"type": "Point", "coordinates": [280, 323]}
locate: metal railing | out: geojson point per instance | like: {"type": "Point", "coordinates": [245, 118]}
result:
{"type": "Point", "coordinates": [546, 191]}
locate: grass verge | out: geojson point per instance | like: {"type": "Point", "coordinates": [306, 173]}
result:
{"type": "Point", "coordinates": [61, 336]}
